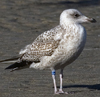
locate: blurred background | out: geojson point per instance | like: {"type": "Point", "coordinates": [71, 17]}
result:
{"type": "Point", "coordinates": [21, 21]}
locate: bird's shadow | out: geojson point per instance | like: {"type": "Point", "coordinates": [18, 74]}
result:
{"type": "Point", "coordinates": [94, 87]}
{"type": "Point", "coordinates": [90, 87]}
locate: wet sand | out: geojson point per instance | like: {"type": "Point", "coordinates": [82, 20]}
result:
{"type": "Point", "coordinates": [21, 21]}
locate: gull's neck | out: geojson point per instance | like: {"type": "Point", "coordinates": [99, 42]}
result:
{"type": "Point", "coordinates": [70, 25]}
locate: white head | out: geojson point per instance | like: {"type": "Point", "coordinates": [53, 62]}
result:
{"type": "Point", "coordinates": [73, 16]}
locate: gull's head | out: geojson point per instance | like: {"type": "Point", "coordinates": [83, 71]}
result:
{"type": "Point", "coordinates": [73, 16]}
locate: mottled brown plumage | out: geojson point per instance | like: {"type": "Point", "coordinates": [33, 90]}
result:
{"type": "Point", "coordinates": [39, 49]}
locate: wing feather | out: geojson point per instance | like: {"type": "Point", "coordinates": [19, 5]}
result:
{"type": "Point", "coordinates": [39, 49]}
{"type": "Point", "coordinates": [43, 45]}
{"type": "Point", "coordinates": [48, 35]}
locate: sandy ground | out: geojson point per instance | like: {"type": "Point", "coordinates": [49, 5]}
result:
{"type": "Point", "coordinates": [21, 21]}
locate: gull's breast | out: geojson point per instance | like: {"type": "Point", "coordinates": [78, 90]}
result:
{"type": "Point", "coordinates": [70, 47]}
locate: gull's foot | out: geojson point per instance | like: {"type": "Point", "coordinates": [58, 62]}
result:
{"type": "Point", "coordinates": [60, 92]}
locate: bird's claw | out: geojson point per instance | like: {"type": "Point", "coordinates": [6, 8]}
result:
{"type": "Point", "coordinates": [60, 92]}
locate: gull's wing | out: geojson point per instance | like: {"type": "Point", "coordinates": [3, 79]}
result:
{"type": "Point", "coordinates": [43, 45]}
{"type": "Point", "coordinates": [37, 50]}
{"type": "Point", "coordinates": [33, 53]}
{"type": "Point", "coordinates": [48, 36]}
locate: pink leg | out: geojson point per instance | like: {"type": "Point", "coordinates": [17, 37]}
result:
{"type": "Point", "coordinates": [55, 87]}
{"type": "Point", "coordinates": [54, 81]}
{"type": "Point", "coordinates": [61, 78]}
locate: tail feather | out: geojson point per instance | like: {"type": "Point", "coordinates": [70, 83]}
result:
{"type": "Point", "coordinates": [19, 65]}
{"type": "Point", "coordinates": [10, 59]}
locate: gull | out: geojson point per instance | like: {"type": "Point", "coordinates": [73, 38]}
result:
{"type": "Point", "coordinates": [55, 48]}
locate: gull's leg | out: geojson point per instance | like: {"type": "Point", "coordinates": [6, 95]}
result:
{"type": "Point", "coordinates": [61, 79]}
{"type": "Point", "coordinates": [54, 81]}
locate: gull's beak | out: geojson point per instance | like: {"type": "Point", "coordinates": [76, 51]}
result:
{"type": "Point", "coordinates": [92, 20]}
{"type": "Point", "coordinates": [87, 19]}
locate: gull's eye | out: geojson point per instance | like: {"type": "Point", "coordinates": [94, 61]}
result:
{"type": "Point", "coordinates": [76, 15]}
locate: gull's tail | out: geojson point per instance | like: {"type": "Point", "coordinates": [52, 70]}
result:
{"type": "Point", "coordinates": [19, 64]}
{"type": "Point", "coordinates": [13, 59]}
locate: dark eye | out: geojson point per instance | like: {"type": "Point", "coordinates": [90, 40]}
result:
{"type": "Point", "coordinates": [76, 15]}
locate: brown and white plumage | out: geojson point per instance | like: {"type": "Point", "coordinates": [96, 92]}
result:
{"type": "Point", "coordinates": [56, 48]}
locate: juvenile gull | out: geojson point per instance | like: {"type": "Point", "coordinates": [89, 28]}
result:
{"type": "Point", "coordinates": [55, 48]}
